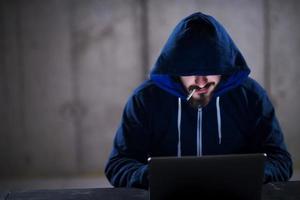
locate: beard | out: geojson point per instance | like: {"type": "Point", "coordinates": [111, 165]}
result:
{"type": "Point", "coordinates": [201, 101]}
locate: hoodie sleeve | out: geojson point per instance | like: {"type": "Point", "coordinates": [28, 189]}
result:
{"type": "Point", "coordinates": [127, 164]}
{"type": "Point", "coordinates": [278, 165]}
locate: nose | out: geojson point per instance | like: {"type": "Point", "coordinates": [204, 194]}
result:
{"type": "Point", "coordinates": [201, 80]}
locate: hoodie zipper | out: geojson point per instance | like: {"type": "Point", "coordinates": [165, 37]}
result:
{"type": "Point", "coordinates": [199, 132]}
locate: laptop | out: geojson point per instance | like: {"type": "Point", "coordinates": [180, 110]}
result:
{"type": "Point", "coordinates": [238, 176]}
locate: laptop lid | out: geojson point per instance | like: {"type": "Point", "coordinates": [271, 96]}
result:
{"type": "Point", "coordinates": [238, 176]}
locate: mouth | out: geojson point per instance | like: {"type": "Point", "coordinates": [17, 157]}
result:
{"type": "Point", "coordinates": [200, 90]}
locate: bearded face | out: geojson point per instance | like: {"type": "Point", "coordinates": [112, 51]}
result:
{"type": "Point", "coordinates": [201, 87]}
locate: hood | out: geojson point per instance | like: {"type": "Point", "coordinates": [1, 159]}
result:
{"type": "Point", "coordinates": [199, 45]}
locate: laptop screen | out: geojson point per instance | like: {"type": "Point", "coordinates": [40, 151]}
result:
{"type": "Point", "coordinates": [238, 176]}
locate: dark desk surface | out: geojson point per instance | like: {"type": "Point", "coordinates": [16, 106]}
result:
{"type": "Point", "coordinates": [272, 191]}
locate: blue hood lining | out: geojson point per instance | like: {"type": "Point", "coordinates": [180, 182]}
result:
{"type": "Point", "coordinates": [167, 83]}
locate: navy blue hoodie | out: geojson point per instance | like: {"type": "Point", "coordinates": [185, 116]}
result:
{"type": "Point", "coordinates": [158, 121]}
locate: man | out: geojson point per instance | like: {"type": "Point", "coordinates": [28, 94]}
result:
{"type": "Point", "coordinates": [199, 101]}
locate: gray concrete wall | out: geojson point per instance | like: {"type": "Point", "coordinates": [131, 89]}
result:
{"type": "Point", "coordinates": [67, 68]}
{"type": "Point", "coordinates": [36, 68]}
{"type": "Point", "coordinates": [284, 71]}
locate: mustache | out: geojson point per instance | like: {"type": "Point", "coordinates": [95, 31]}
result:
{"type": "Point", "coordinates": [196, 87]}
{"type": "Point", "coordinates": [193, 88]}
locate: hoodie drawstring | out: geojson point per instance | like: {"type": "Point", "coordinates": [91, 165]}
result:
{"type": "Point", "coordinates": [178, 128]}
{"type": "Point", "coordinates": [219, 119]}
{"type": "Point", "coordinates": [179, 124]}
